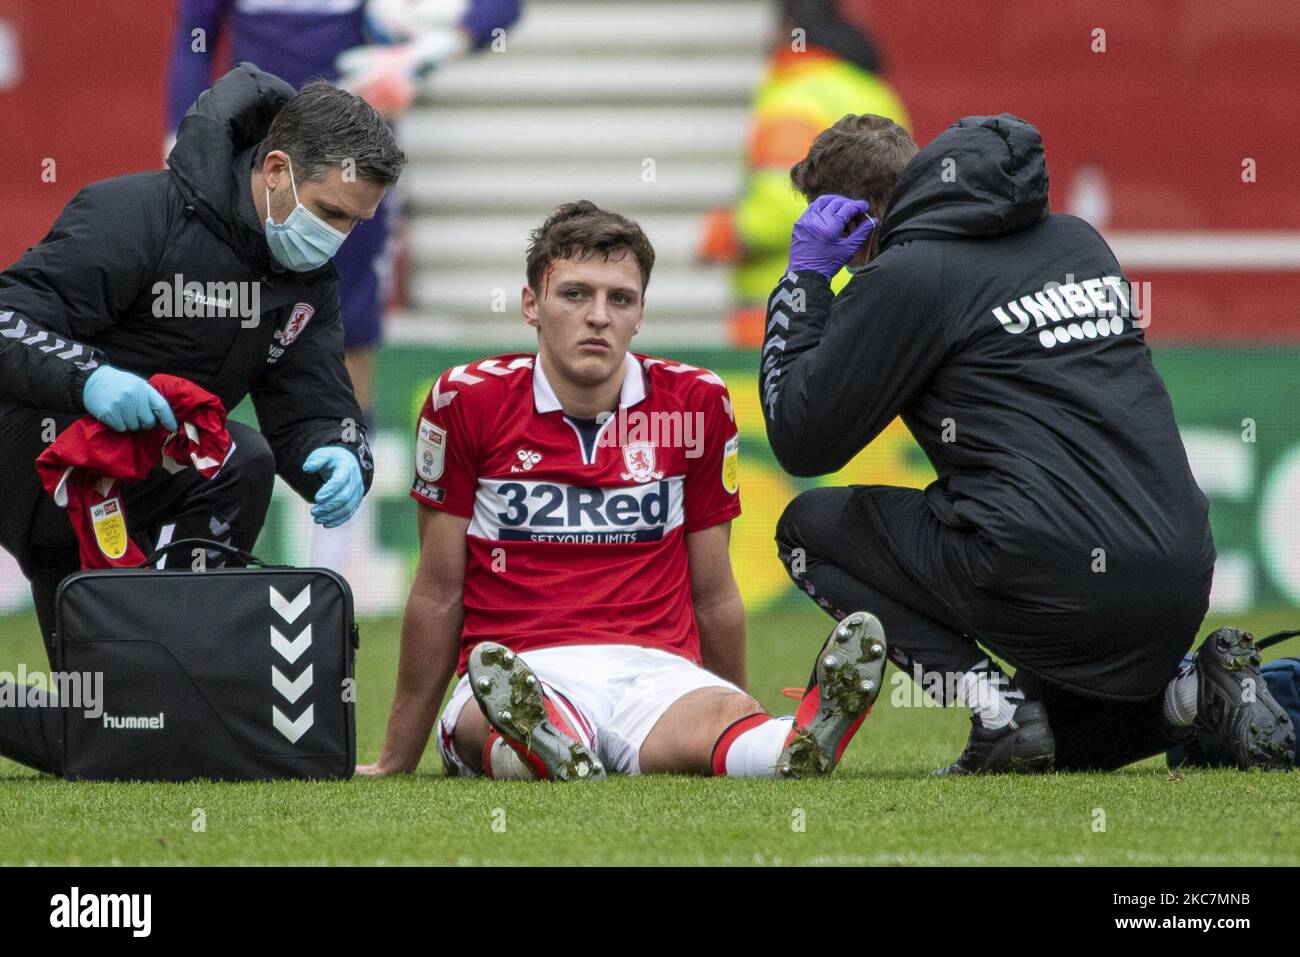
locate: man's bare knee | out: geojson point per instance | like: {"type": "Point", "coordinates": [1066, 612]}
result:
{"type": "Point", "coordinates": [682, 740]}
{"type": "Point", "coordinates": [714, 710]}
{"type": "Point", "coordinates": [735, 705]}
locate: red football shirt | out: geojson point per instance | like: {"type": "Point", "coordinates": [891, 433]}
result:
{"type": "Point", "coordinates": [572, 542]}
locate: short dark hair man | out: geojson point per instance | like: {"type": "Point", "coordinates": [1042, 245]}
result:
{"type": "Point", "coordinates": [574, 565]}
{"type": "Point", "coordinates": [1065, 532]}
{"type": "Point", "coordinates": [218, 271]}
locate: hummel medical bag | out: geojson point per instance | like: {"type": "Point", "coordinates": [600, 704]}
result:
{"type": "Point", "coordinates": [234, 673]}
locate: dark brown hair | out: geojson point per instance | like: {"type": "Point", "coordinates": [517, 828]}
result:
{"type": "Point", "coordinates": [860, 157]}
{"type": "Point", "coordinates": [582, 230]}
{"type": "Point", "coordinates": [323, 126]}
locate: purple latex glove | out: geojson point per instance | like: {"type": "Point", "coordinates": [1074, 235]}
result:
{"type": "Point", "coordinates": [818, 241]}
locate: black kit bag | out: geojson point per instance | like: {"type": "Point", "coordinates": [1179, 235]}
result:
{"type": "Point", "coordinates": [235, 673]}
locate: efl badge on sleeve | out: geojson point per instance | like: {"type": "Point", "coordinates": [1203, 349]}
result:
{"type": "Point", "coordinates": [110, 527]}
{"type": "Point", "coordinates": [430, 452]}
{"type": "Point", "coordinates": [731, 465]}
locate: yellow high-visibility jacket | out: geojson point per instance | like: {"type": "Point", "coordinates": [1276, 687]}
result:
{"type": "Point", "coordinates": [801, 95]}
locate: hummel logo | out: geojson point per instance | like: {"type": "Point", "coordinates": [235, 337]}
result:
{"type": "Point", "coordinates": [528, 458]}
{"type": "Point", "coordinates": [212, 302]}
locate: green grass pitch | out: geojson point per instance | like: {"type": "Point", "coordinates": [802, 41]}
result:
{"type": "Point", "coordinates": [879, 808]}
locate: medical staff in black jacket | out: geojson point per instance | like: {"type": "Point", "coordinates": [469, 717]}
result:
{"type": "Point", "coordinates": [187, 271]}
{"type": "Point", "coordinates": [1065, 533]}
{"type": "Point", "coordinates": [217, 270]}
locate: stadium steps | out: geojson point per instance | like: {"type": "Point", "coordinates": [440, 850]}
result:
{"type": "Point", "coordinates": [641, 106]}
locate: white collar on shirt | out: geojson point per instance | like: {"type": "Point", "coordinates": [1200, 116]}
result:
{"type": "Point", "coordinates": [632, 392]}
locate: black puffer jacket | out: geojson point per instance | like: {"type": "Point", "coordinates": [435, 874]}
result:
{"type": "Point", "coordinates": [989, 324]}
{"type": "Point", "coordinates": [92, 291]}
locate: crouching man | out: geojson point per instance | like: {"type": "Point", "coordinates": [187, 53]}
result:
{"type": "Point", "coordinates": [574, 514]}
{"type": "Point", "coordinates": [1065, 532]}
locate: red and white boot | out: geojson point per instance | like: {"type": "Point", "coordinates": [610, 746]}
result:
{"type": "Point", "coordinates": [848, 677]}
{"type": "Point", "coordinates": [536, 729]}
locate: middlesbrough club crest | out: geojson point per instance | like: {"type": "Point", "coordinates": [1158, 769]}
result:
{"type": "Point", "coordinates": [302, 313]}
{"type": "Point", "coordinates": [639, 457]}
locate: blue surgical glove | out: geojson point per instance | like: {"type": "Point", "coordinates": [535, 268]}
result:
{"type": "Point", "coordinates": [124, 402]}
{"type": "Point", "coordinates": [340, 496]}
{"type": "Point", "coordinates": [821, 239]}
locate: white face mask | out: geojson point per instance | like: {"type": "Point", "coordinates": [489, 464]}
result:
{"type": "Point", "coordinates": [304, 241]}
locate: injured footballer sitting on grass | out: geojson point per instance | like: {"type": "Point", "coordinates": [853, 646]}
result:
{"type": "Point", "coordinates": [574, 512]}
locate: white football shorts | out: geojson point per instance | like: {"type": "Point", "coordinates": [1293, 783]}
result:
{"type": "Point", "coordinates": [614, 693]}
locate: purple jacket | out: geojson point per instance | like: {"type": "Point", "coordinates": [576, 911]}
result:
{"type": "Point", "coordinates": [297, 40]}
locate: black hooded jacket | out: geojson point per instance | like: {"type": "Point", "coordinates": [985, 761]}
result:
{"type": "Point", "coordinates": [981, 324]}
{"type": "Point", "coordinates": [104, 284]}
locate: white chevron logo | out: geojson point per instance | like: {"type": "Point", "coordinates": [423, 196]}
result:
{"type": "Point", "coordinates": [291, 651]}
{"type": "Point", "coordinates": [440, 399]}
{"type": "Point", "coordinates": [293, 730]}
{"type": "Point", "coordinates": [291, 690]}
{"type": "Point", "coordinates": [783, 295]}
{"type": "Point", "coordinates": [290, 610]}
{"type": "Point", "coordinates": [459, 374]}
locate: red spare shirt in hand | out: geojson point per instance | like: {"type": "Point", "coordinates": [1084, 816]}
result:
{"type": "Point", "coordinates": [84, 468]}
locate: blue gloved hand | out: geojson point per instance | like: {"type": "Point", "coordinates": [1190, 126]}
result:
{"type": "Point", "coordinates": [340, 496]}
{"type": "Point", "coordinates": [124, 402]}
{"type": "Point", "coordinates": [821, 239]}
